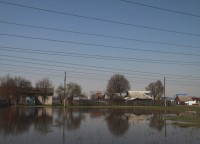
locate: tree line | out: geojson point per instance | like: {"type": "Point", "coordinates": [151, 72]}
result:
{"type": "Point", "coordinates": [14, 87]}
{"type": "Point", "coordinates": [119, 84]}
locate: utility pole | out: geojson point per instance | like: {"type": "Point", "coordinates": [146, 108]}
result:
{"type": "Point", "coordinates": [64, 90]}
{"type": "Point", "coordinates": [164, 92]}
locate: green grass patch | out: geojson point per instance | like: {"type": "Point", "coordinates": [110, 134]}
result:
{"type": "Point", "coordinates": [185, 121]}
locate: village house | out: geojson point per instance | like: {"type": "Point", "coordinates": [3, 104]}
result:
{"type": "Point", "coordinates": [35, 97]}
{"type": "Point", "coordinates": [138, 97]}
{"type": "Point", "coordinates": [97, 95]}
{"type": "Point", "coordinates": [184, 100]}
{"type": "Point", "coordinates": [143, 95]}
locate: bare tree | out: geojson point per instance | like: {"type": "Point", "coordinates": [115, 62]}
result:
{"type": "Point", "coordinates": [60, 92]}
{"type": "Point", "coordinates": [73, 90]}
{"type": "Point", "coordinates": [117, 84]}
{"type": "Point", "coordinates": [44, 86]}
{"type": "Point", "coordinates": [156, 89]}
{"type": "Point", "coordinates": [14, 87]}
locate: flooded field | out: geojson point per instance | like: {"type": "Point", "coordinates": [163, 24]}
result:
{"type": "Point", "coordinates": [97, 126]}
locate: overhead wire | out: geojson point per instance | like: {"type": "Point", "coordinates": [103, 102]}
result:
{"type": "Point", "coordinates": [42, 69]}
{"type": "Point", "coordinates": [68, 67]}
{"type": "Point", "coordinates": [160, 8]}
{"type": "Point", "coordinates": [100, 19]}
{"type": "Point", "coordinates": [99, 35]}
{"type": "Point", "coordinates": [54, 75]}
{"type": "Point", "coordinates": [97, 45]}
{"type": "Point", "coordinates": [97, 68]}
{"type": "Point", "coordinates": [71, 75]}
{"type": "Point", "coordinates": [101, 57]}
{"type": "Point", "coordinates": [126, 38]}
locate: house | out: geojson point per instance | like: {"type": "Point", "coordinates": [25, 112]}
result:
{"type": "Point", "coordinates": [97, 95]}
{"type": "Point", "coordinates": [197, 99]}
{"type": "Point", "coordinates": [138, 98]}
{"type": "Point", "coordinates": [184, 100]}
{"type": "Point", "coordinates": [142, 95]}
{"type": "Point", "coordinates": [35, 97]}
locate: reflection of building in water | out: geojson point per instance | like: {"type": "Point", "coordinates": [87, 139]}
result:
{"type": "Point", "coordinates": [132, 118]}
{"type": "Point", "coordinates": [46, 111]}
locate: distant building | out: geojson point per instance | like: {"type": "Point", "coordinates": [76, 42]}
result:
{"type": "Point", "coordinates": [35, 97]}
{"type": "Point", "coordinates": [170, 101]}
{"type": "Point", "coordinates": [97, 95]}
{"type": "Point", "coordinates": [197, 99]}
{"type": "Point", "coordinates": [142, 95]}
{"type": "Point", "coordinates": [184, 100]}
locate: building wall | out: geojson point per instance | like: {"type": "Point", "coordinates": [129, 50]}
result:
{"type": "Point", "coordinates": [190, 102]}
{"type": "Point", "coordinates": [48, 101]}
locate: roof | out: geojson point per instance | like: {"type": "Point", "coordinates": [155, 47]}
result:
{"type": "Point", "coordinates": [139, 95]}
{"type": "Point", "coordinates": [185, 98]}
{"type": "Point", "coordinates": [121, 94]}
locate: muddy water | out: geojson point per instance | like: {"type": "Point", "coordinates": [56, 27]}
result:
{"type": "Point", "coordinates": [97, 126]}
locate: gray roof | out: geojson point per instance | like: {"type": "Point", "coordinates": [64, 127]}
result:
{"type": "Point", "coordinates": [185, 98]}
{"type": "Point", "coordinates": [138, 95]}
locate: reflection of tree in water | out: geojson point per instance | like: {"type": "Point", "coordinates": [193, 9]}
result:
{"type": "Point", "coordinates": [73, 120]}
{"type": "Point", "coordinates": [97, 113]}
{"type": "Point", "coordinates": [43, 121]}
{"type": "Point", "coordinates": [117, 123]}
{"type": "Point", "coordinates": [15, 121]}
{"type": "Point", "coordinates": [59, 118]}
{"type": "Point", "coordinates": [70, 117]}
{"type": "Point", "coordinates": [157, 121]}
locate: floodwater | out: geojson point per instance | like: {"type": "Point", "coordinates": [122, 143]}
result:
{"type": "Point", "coordinates": [96, 126]}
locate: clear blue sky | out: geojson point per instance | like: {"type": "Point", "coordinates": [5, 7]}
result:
{"type": "Point", "coordinates": [35, 58]}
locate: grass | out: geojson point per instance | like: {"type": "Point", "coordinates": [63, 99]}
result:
{"type": "Point", "coordinates": [185, 121]}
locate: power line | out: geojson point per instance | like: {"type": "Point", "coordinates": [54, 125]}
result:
{"type": "Point", "coordinates": [99, 35]}
{"type": "Point", "coordinates": [159, 8]}
{"type": "Point", "coordinates": [81, 74]}
{"type": "Point", "coordinates": [97, 45]}
{"type": "Point", "coordinates": [42, 69]}
{"type": "Point", "coordinates": [36, 73]}
{"type": "Point", "coordinates": [71, 75]}
{"type": "Point", "coordinates": [97, 56]}
{"type": "Point", "coordinates": [99, 68]}
{"type": "Point", "coordinates": [99, 19]}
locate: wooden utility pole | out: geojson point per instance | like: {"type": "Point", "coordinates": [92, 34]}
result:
{"type": "Point", "coordinates": [164, 92]}
{"type": "Point", "coordinates": [64, 90]}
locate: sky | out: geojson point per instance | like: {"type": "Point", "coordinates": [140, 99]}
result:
{"type": "Point", "coordinates": [91, 40]}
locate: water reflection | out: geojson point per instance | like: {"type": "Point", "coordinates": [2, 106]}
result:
{"type": "Point", "coordinates": [157, 121]}
{"type": "Point", "coordinates": [117, 123]}
{"type": "Point", "coordinates": [87, 125]}
{"type": "Point", "coordinates": [15, 121]}
{"type": "Point", "coordinates": [43, 120]}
